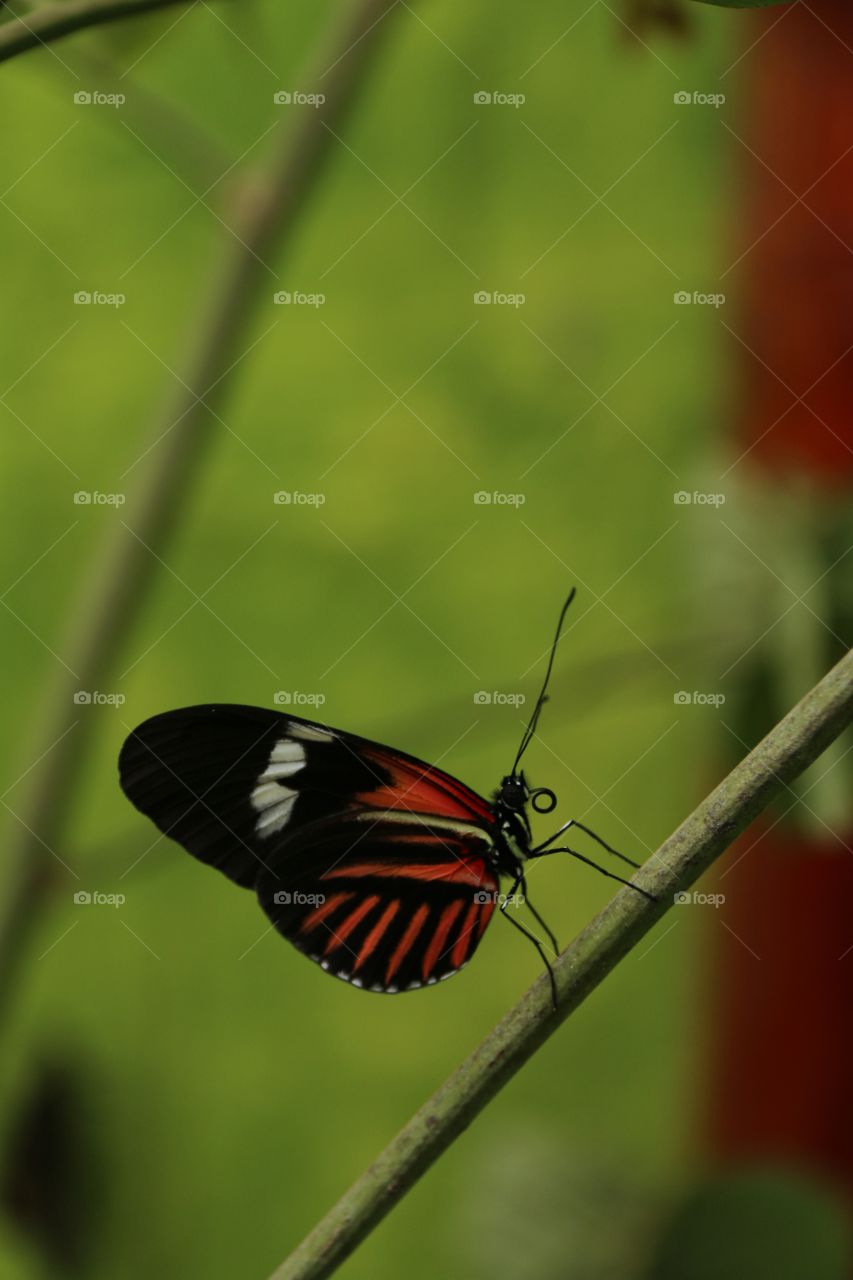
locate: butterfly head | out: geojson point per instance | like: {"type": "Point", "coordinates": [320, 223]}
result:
{"type": "Point", "coordinates": [514, 792]}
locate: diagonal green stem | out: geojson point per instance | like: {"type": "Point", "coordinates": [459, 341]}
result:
{"type": "Point", "coordinates": [787, 750]}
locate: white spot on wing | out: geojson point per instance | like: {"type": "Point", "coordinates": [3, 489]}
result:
{"type": "Point", "coordinates": [267, 794]}
{"type": "Point", "coordinates": [274, 816]}
{"type": "Point", "coordinates": [287, 752]}
{"type": "Point", "coordinates": [283, 770]}
{"type": "Point", "coordinates": [310, 733]}
{"type": "Point", "coordinates": [272, 801]}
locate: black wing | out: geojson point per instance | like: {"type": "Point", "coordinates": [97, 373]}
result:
{"type": "Point", "coordinates": [230, 782]}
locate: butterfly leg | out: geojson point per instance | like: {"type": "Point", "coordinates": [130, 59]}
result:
{"type": "Point", "coordinates": [530, 936]}
{"type": "Point", "coordinates": [573, 822]}
{"type": "Point", "coordinates": [589, 831]}
{"type": "Point", "coordinates": [537, 917]}
{"type": "Point", "coordinates": [610, 876]}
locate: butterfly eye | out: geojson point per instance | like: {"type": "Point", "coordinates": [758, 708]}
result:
{"type": "Point", "coordinates": [543, 800]}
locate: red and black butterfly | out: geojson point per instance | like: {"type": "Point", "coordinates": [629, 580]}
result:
{"type": "Point", "coordinates": [381, 868]}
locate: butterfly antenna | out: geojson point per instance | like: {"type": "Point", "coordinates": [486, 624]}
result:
{"type": "Point", "coordinates": [542, 699]}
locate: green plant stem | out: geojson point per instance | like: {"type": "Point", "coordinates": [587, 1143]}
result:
{"type": "Point", "coordinates": [122, 577]}
{"type": "Point", "coordinates": [53, 21]}
{"type": "Point", "coordinates": [786, 751]}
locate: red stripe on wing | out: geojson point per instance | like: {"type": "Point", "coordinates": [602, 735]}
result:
{"type": "Point", "coordinates": [405, 944]}
{"type": "Point", "coordinates": [436, 947]}
{"type": "Point", "coordinates": [419, 788]}
{"type": "Point", "coordinates": [457, 872]}
{"type": "Point", "coordinates": [319, 914]}
{"type": "Point", "coordinates": [376, 933]}
{"type": "Point", "coordinates": [345, 928]}
{"type": "Point", "coordinates": [466, 938]}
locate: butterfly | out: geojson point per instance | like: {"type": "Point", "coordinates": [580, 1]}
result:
{"type": "Point", "coordinates": [382, 869]}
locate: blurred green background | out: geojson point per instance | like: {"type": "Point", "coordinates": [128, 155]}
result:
{"type": "Point", "coordinates": [227, 1090]}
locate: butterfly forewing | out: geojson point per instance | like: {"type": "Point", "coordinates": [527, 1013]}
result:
{"type": "Point", "coordinates": [370, 861]}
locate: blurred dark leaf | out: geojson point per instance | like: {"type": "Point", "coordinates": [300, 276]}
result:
{"type": "Point", "coordinates": [44, 1184]}
{"type": "Point", "coordinates": [757, 1224]}
{"type": "Point", "coordinates": [643, 17]}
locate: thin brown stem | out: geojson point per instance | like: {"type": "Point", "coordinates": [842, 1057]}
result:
{"type": "Point", "coordinates": [122, 578]}
{"type": "Point", "coordinates": [51, 22]}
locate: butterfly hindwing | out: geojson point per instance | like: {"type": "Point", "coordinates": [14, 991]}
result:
{"type": "Point", "coordinates": [388, 902]}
